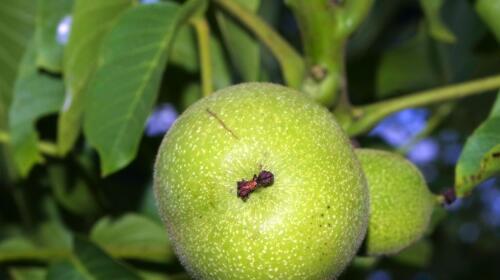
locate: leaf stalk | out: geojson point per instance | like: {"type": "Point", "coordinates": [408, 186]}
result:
{"type": "Point", "coordinates": [203, 34]}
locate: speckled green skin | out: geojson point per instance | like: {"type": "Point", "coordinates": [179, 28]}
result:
{"type": "Point", "coordinates": [307, 225]}
{"type": "Point", "coordinates": [400, 202]}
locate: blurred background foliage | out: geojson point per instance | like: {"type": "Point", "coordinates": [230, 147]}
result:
{"type": "Point", "coordinates": [61, 219]}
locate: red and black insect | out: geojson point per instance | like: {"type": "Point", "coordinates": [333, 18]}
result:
{"type": "Point", "coordinates": [244, 187]}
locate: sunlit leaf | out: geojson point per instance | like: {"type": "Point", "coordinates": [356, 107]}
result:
{"type": "Point", "coordinates": [36, 94]}
{"type": "Point", "coordinates": [125, 86]}
{"type": "Point", "coordinates": [437, 28]}
{"type": "Point", "coordinates": [489, 10]}
{"type": "Point", "coordinates": [89, 262]}
{"type": "Point", "coordinates": [480, 158]}
{"type": "Point", "coordinates": [92, 20]}
{"type": "Point", "coordinates": [239, 41]}
{"type": "Point", "coordinates": [50, 48]}
{"type": "Point", "coordinates": [133, 237]}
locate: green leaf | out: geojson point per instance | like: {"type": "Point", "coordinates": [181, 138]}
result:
{"type": "Point", "coordinates": [148, 206]}
{"type": "Point", "coordinates": [183, 62]}
{"type": "Point", "coordinates": [92, 20]}
{"type": "Point", "coordinates": [418, 255]}
{"type": "Point", "coordinates": [89, 262]}
{"type": "Point", "coordinates": [16, 248]}
{"type": "Point", "coordinates": [150, 275]}
{"type": "Point", "coordinates": [352, 14]}
{"type": "Point", "coordinates": [407, 67]}
{"type": "Point", "coordinates": [36, 94]}
{"type": "Point", "coordinates": [364, 262]}
{"type": "Point", "coordinates": [16, 28]}
{"type": "Point", "coordinates": [459, 61]}
{"type": "Point", "coordinates": [380, 15]}
{"type": "Point", "coordinates": [49, 240]}
{"type": "Point", "coordinates": [72, 191]}
{"type": "Point", "coordinates": [52, 233]}
{"type": "Point", "coordinates": [49, 15]}
{"type": "Point", "coordinates": [125, 86]}
{"type": "Point", "coordinates": [480, 158]}
{"type": "Point", "coordinates": [65, 270]}
{"type": "Point", "coordinates": [133, 237]}
{"type": "Point", "coordinates": [221, 74]}
{"type": "Point", "coordinates": [291, 62]}
{"type": "Point", "coordinates": [28, 273]}
{"type": "Point", "coordinates": [239, 41]}
{"type": "Point", "coordinates": [184, 51]}
{"type": "Point", "coordinates": [184, 54]}
{"type": "Point", "coordinates": [437, 28]}
{"type": "Point", "coordinates": [489, 10]}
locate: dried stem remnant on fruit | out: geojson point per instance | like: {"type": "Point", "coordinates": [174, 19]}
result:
{"type": "Point", "coordinates": [244, 187]}
{"type": "Point", "coordinates": [265, 178]}
{"type": "Point", "coordinates": [449, 196]}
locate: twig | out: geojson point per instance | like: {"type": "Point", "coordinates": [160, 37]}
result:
{"type": "Point", "coordinates": [365, 117]}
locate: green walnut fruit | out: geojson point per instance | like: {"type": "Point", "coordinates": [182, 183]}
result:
{"type": "Point", "coordinates": [259, 182]}
{"type": "Point", "coordinates": [400, 202]}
